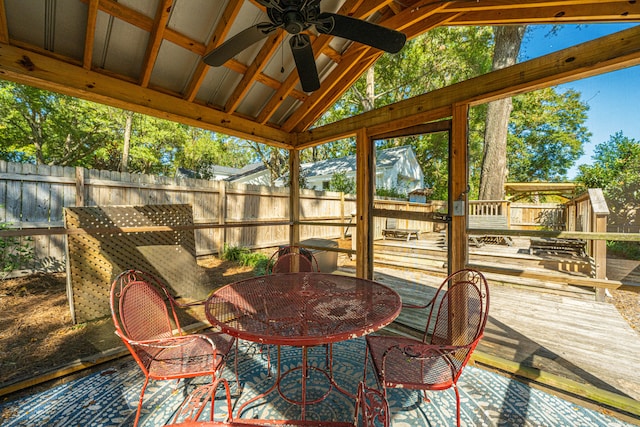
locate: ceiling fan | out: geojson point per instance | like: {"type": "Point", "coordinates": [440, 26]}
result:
{"type": "Point", "coordinates": [295, 16]}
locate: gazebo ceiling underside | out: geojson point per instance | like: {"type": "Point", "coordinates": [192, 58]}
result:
{"type": "Point", "coordinates": [146, 56]}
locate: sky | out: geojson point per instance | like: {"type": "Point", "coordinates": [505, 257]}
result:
{"type": "Point", "coordinates": [612, 97]}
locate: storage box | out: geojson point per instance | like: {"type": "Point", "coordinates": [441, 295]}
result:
{"type": "Point", "coordinates": [327, 260]}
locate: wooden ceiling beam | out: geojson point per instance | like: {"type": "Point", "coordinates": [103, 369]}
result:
{"type": "Point", "coordinates": [155, 40]}
{"type": "Point", "coordinates": [560, 14]}
{"type": "Point", "coordinates": [4, 29]}
{"type": "Point", "coordinates": [219, 34]}
{"type": "Point", "coordinates": [137, 19]}
{"type": "Point", "coordinates": [487, 5]}
{"type": "Point", "coordinates": [609, 53]}
{"type": "Point", "coordinates": [44, 72]}
{"type": "Point", "coordinates": [90, 34]}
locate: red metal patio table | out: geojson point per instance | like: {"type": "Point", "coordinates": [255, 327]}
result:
{"type": "Point", "coordinates": [302, 309]}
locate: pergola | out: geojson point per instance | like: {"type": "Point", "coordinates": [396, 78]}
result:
{"type": "Point", "coordinates": [146, 56]}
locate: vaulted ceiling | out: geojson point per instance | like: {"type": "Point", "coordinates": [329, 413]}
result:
{"type": "Point", "coordinates": [146, 55]}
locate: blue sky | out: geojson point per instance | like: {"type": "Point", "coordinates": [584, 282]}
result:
{"type": "Point", "coordinates": [612, 97]}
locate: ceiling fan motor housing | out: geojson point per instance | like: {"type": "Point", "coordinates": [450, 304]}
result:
{"type": "Point", "coordinates": [293, 15]}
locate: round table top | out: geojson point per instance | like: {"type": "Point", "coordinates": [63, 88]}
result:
{"type": "Point", "coordinates": [302, 309]}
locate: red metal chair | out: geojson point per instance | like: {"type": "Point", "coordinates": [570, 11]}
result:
{"type": "Point", "coordinates": [373, 406]}
{"type": "Point", "coordinates": [143, 311]}
{"type": "Point", "coordinates": [291, 259]}
{"type": "Point", "coordinates": [456, 322]}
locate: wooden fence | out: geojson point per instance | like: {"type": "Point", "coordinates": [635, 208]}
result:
{"type": "Point", "coordinates": [33, 197]}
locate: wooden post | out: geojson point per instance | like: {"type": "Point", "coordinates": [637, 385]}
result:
{"type": "Point", "coordinates": [365, 179]}
{"type": "Point", "coordinates": [599, 225]}
{"type": "Point", "coordinates": [222, 213]}
{"type": "Point", "coordinates": [294, 197]}
{"type": "Point", "coordinates": [80, 186]}
{"type": "Point", "coordinates": [342, 219]}
{"type": "Point", "coordinates": [458, 186]}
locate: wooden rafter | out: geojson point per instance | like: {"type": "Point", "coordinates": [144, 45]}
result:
{"type": "Point", "coordinates": [604, 12]}
{"type": "Point", "coordinates": [4, 30]}
{"type": "Point", "coordinates": [155, 40]}
{"type": "Point", "coordinates": [222, 29]}
{"type": "Point", "coordinates": [90, 35]}
{"type": "Point", "coordinates": [250, 76]}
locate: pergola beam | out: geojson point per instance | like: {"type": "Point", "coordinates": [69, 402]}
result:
{"type": "Point", "coordinates": [44, 72]}
{"type": "Point", "coordinates": [609, 53]}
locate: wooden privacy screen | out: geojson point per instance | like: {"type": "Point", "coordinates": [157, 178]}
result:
{"type": "Point", "coordinates": [98, 250]}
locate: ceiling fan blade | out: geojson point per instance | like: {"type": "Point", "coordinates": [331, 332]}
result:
{"type": "Point", "coordinates": [305, 62]}
{"type": "Point", "coordinates": [361, 31]}
{"type": "Point", "coordinates": [238, 43]}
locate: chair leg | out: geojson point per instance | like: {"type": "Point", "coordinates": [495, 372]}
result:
{"type": "Point", "coordinates": [235, 363]}
{"type": "Point", "coordinates": [455, 388]}
{"type": "Point", "coordinates": [144, 387]}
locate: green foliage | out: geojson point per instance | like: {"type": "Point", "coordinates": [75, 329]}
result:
{"type": "Point", "coordinates": [233, 253]}
{"type": "Point", "coordinates": [245, 257]}
{"type": "Point", "coordinates": [340, 182]}
{"type": "Point", "coordinates": [616, 171]}
{"type": "Point", "coordinates": [202, 149]}
{"type": "Point", "coordinates": [14, 253]}
{"type": "Point", "coordinates": [546, 134]}
{"type": "Point", "coordinates": [390, 192]}
{"type": "Point", "coordinates": [628, 250]}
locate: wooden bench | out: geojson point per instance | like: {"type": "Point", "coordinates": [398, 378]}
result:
{"type": "Point", "coordinates": [493, 222]}
{"type": "Point", "coordinates": [394, 232]}
{"type": "Point", "coordinates": [557, 245]}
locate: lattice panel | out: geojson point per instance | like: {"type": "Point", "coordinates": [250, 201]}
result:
{"type": "Point", "coordinates": [98, 251]}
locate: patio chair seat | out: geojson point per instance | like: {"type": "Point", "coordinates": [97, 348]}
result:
{"type": "Point", "coordinates": [400, 371]}
{"type": "Point", "coordinates": [193, 358]}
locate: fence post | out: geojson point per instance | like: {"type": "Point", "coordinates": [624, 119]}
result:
{"type": "Point", "coordinates": [222, 213]}
{"type": "Point", "coordinates": [79, 186]}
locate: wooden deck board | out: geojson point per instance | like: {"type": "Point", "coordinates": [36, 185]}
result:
{"type": "Point", "coordinates": [583, 340]}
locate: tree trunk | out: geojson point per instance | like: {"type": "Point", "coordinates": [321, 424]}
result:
{"type": "Point", "coordinates": [370, 95]}
{"type": "Point", "coordinates": [124, 164]}
{"type": "Point", "coordinates": [494, 160]}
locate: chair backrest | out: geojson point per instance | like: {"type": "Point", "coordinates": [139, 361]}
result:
{"type": "Point", "coordinates": [293, 259]}
{"type": "Point", "coordinates": [372, 406]}
{"type": "Point", "coordinates": [459, 313]}
{"type": "Point", "coordinates": [142, 308]}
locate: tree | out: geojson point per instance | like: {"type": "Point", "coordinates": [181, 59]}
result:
{"type": "Point", "coordinates": [616, 170]}
{"type": "Point", "coordinates": [494, 161]}
{"type": "Point", "coordinates": [203, 148]}
{"type": "Point", "coordinates": [546, 135]}
{"type": "Point", "coordinates": [340, 182]}
{"type": "Point", "coordinates": [44, 127]}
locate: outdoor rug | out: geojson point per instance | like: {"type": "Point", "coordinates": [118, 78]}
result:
{"type": "Point", "coordinates": [110, 397]}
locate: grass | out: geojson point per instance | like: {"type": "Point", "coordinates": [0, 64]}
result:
{"type": "Point", "coordinates": [244, 256]}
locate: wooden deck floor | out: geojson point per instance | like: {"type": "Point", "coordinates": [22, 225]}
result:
{"type": "Point", "coordinates": [552, 327]}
